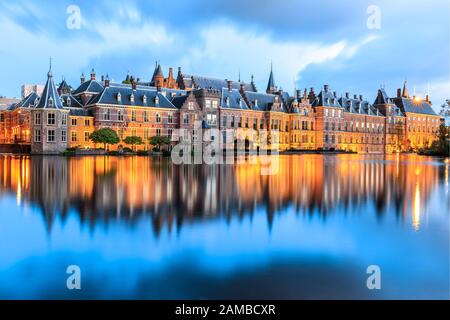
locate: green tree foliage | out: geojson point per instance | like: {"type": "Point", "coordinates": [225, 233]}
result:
{"type": "Point", "coordinates": [106, 136]}
{"type": "Point", "coordinates": [159, 141]}
{"type": "Point", "coordinates": [133, 141]}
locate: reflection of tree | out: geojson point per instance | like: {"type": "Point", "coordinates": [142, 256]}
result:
{"type": "Point", "coordinates": [102, 190]}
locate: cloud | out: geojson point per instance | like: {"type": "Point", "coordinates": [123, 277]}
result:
{"type": "Point", "coordinates": [225, 47]}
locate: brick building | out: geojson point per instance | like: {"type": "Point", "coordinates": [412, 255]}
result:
{"type": "Point", "coordinates": [232, 113]}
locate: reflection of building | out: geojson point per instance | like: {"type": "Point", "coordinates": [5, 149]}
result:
{"type": "Point", "coordinates": [243, 117]}
{"type": "Point", "coordinates": [101, 189]}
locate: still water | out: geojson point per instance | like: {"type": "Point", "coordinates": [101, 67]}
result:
{"type": "Point", "coordinates": [141, 227]}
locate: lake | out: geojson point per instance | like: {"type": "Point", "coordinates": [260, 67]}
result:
{"type": "Point", "coordinates": [144, 228]}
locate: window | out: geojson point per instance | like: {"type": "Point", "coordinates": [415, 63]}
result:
{"type": "Point", "coordinates": [119, 98]}
{"type": "Point", "coordinates": [2, 117]}
{"type": "Point", "coordinates": [51, 119]}
{"type": "Point", "coordinates": [133, 115]}
{"type": "Point", "coordinates": [224, 121]}
{"type": "Point", "coordinates": [87, 122]}
{"type": "Point", "coordinates": [185, 119]}
{"type": "Point", "coordinates": [191, 105]}
{"type": "Point", "coordinates": [169, 133]}
{"type": "Point", "coordinates": [74, 121]}
{"type": "Point", "coordinates": [211, 118]}
{"type": "Point", "coordinates": [214, 104]}
{"type": "Point", "coordinates": [107, 115]}
{"type": "Point", "coordinates": [64, 136]}
{"type": "Point", "coordinates": [132, 98]}
{"type": "Point", "coordinates": [239, 121]}
{"type": "Point", "coordinates": [158, 118]}
{"type": "Point", "coordinates": [73, 136]}
{"type": "Point", "coordinates": [64, 119]}
{"type": "Point", "coordinates": [208, 103]}
{"type": "Point", "coordinates": [145, 116]}
{"type": "Point", "coordinates": [37, 135]}
{"type": "Point", "coordinates": [86, 136]}
{"type": "Point", "coordinates": [158, 132]}
{"type": "Point", "coordinates": [119, 115]}
{"type": "Point", "coordinates": [37, 118]}
{"type": "Point", "coordinates": [144, 99]}
{"type": "Point", "coordinates": [51, 135]}
{"type": "Point", "coordinates": [170, 118]}
{"type": "Point", "coordinates": [156, 100]}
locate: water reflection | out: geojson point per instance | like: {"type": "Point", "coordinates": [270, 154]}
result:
{"type": "Point", "coordinates": [104, 189]}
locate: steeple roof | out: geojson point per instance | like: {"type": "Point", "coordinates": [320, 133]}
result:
{"type": "Point", "coordinates": [50, 98]}
{"type": "Point", "coordinates": [271, 84]}
{"type": "Point", "coordinates": [405, 92]}
{"type": "Point", "coordinates": [157, 72]}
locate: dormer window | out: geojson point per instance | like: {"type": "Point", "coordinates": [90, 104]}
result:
{"type": "Point", "coordinates": [119, 97]}
{"type": "Point", "coordinates": [132, 98]}
{"type": "Point", "coordinates": [327, 100]}
{"type": "Point", "coordinates": [227, 101]}
{"type": "Point", "coordinates": [50, 102]}
{"type": "Point", "coordinates": [144, 99]}
{"type": "Point", "coordinates": [69, 102]}
{"type": "Point", "coordinates": [240, 103]}
{"type": "Point", "coordinates": [156, 100]}
{"type": "Point", "coordinates": [256, 102]}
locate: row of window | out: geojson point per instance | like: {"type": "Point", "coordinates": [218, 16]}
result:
{"type": "Point", "coordinates": [351, 139]}
{"type": "Point", "coordinates": [51, 119]}
{"type": "Point", "coordinates": [133, 116]}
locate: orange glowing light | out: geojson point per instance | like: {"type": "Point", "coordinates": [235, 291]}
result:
{"type": "Point", "coordinates": [417, 99]}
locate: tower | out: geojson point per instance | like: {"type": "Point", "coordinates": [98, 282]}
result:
{"type": "Point", "coordinates": [49, 118]}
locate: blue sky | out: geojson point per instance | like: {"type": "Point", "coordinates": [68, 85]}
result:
{"type": "Point", "coordinates": [311, 43]}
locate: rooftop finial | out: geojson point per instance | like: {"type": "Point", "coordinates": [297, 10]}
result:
{"type": "Point", "coordinates": [50, 68]}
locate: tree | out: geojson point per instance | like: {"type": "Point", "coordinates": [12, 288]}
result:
{"type": "Point", "coordinates": [159, 141]}
{"type": "Point", "coordinates": [106, 136]}
{"type": "Point", "coordinates": [133, 141]}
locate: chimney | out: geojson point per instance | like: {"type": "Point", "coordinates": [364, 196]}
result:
{"type": "Point", "coordinates": [298, 93]}
{"type": "Point", "coordinates": [82, 78]}
{"type": "Point", "coordinates": [242, 88]}
{"type": "Point", "coordinates": [92, 74]}
{"type": "Point", "coordinates": [334, 94]}
{"type": "Point", "coordinates": [427, 98]}
{"type": "Point", "coordinates": [325, 88]}
{"type": "Point", "coordinates": [347, 95]}
{"type": "Point", "coordinates": [103, 78]}
{"type": "Point", "coordinates": [361, 97]}
{"type": "Point", "coordinates": [170, 73]}
{"type": "Point", "coordinates": [107, 81]}
{"type": "Point", "coordinates": [133, 85]}
{"type": "Point", "coordinates": [399, 93]}
{"type": "Point", "coordinates": [230, 85]}
{"type": "Point", "coordinates": [355, 96]}
{"type": "Point", "coordinates": [158, 87]}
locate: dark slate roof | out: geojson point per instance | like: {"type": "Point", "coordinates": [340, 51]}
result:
{"type": "Point", "coordinates": [382, 97]}
{"type": "Point", "coordinates": [261, 101]}
{"type": "Point", "coordinates": [90, 86]}
{"type": "Point", "coordinates": [201, 82]}
{"type": "Point", "coordinates": [179, 101]}
{"type": "Point", "coordinates": [157, 72]}
{"type": "Point", "coordinates": [50, 94]}
{"type": "Point", "coordinates": [232, 99]}
{"type": "Point", "coordinates": [327, 99]}
{"type": "Point", "coordinates": [28, 101]}
{"type": "Point", "coordinates": [410, 105]}
{"type": "Point", "coordinates": [109, 95]}
{"type": "Point", "coordinates": [70, 101]}
{"type": "Point", "coordinates": [64, 86]}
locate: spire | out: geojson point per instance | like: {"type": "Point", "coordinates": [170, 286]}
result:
{"type": "Point", "coordinates": [271, 84]}
{"type": "Point", "coordinates": [50, 97]}
{"type": "Point", "coordinates": [405, 93]}
{"type": "Point", "coordinates": [49, 74]}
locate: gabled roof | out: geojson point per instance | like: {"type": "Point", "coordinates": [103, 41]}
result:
{"type": "Point", "coordinates": [262, 101]}
{"type": "Point", "coordinates": [232, 99]}
{"type": "Point", "coordinates": [70, 101]}
{"type": "Point", "coordinates": [50, 97]}
{"type": "Point", "coordinates": [201, 82]}
{"type": "Point", "coordinates": [327, 99]}
{"type": "Point", "coordinates": [63, 86]}
{"type": "Point", "coordinates": [90, 86]}
{"type": "Point", "coordinates": [28, 101]}
{"type": "Point", "coordinates": [110, 95]}
{"type": "Point", "coordinates": [179, 101]}
{"type": "Point", "coordinates": [382, 97]}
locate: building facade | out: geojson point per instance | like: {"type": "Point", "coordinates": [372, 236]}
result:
{"type": "Point", "coordinates": [233, 114]}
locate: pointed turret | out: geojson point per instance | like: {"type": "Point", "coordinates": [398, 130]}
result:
{"type": "Point", "coordinates": [405, 93]}
{"type": "Point", "coordinates": [50, 97]}
{"type": "Point", "coordinates": [271, 88]}
{"type": "Point", "coordinates": [158, 77]}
